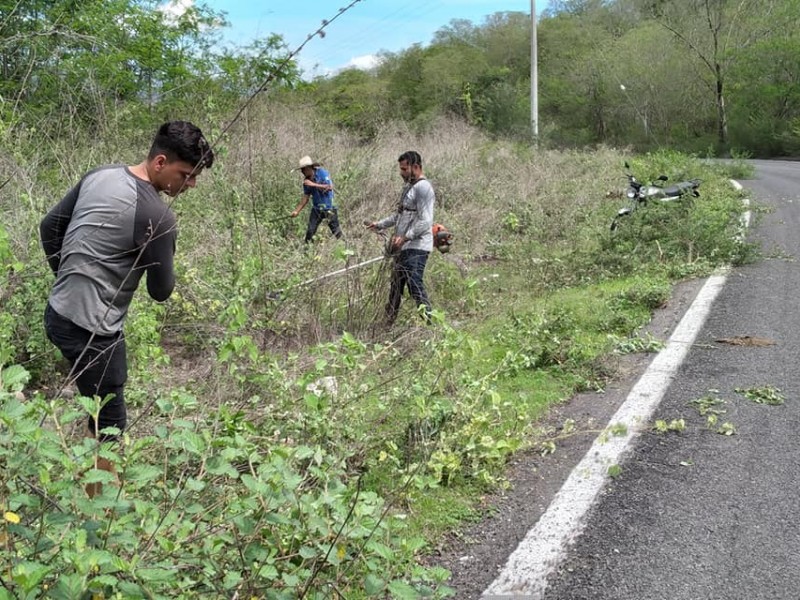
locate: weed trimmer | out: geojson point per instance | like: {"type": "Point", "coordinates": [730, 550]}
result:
{"type": "Point", "coordinates": [387, 241]}
{"type": "Point", "coordinates": [279, 293]}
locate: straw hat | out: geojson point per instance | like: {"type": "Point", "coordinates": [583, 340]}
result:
{"type": "Point", "coordinates": [306, 162]}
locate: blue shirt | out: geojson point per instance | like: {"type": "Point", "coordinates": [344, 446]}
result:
{"type": "Point", "coordinates": [321, 199]}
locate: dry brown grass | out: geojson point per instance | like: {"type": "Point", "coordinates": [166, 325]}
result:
{"type": "Point", "coordinates": [484, 187]}
{"type": "Point", "coordinates": [477, 179]}
{"type": "Point", "coordinates": [504, 201]}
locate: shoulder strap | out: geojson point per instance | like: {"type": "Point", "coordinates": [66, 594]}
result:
{"type": "Point", "coordinates": [400, 207]}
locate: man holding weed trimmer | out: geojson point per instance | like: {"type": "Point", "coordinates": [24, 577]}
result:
{"type": "Point", "coordinates": [318, 186]}
{"type": "Point", "coordinates": [412, 241]}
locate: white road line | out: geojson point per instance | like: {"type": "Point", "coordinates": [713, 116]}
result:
{"type": "Point", "coordinates": [745, 220]}
{"type": "Point", "coordinates": [524, 576]}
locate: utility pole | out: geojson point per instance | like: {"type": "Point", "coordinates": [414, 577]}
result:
{"type": "Point", "coordinates": [534, 76]}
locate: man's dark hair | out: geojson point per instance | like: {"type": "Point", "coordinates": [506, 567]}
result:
{"type": "Point", "coordinates": [181, 140]}
{"type": "Point", "coordinates": [412, 157]}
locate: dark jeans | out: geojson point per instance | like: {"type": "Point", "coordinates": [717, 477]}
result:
{"type": "Point", "coordinates": [409, 267]}
{"type": "Point", "coordinates": [101, 370]}
{"type": "Point", "coordinates": [317, 216]}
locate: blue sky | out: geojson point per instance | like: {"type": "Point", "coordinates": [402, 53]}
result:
{"type": "Point", "coordinates": [355, 37]}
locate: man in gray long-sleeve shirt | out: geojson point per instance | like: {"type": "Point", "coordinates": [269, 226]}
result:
{"type": "Point", "coordinates": [100, 239]}
{"type": "Point", "coordinates": [412, 241]}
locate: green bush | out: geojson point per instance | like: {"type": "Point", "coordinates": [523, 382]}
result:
{"type": "Point", "coordinates": [23, 295]}
{"type": "Point", "coordinates": [197, 514]}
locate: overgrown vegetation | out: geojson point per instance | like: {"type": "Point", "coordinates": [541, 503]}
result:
{"type": "Point", "coordinates": [281, 443]}
{"type": "Point", "coordinates": [238, 474]}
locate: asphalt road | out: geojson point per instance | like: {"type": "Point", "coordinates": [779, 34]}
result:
{"type": "Point", "coordinates": [698, 515]}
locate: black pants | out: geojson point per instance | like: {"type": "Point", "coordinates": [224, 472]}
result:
{"type": "Point", "coordinates": [99, 367]}
{"type": "Point", "coordinates": [409, 267]}
{"type": "Point", "coordinates": [317, 216]}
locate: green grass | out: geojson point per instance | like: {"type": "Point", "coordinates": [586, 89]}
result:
{"type": "Point", "coordinates": [568, 332]}
{"type": "Point", "coordinates": [436, 513]}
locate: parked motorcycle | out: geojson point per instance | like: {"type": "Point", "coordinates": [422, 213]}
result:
{"type": "Point", "coordinates": [639, 193]}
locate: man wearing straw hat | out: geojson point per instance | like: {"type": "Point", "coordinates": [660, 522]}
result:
{"type": "Point", "coordinates": [318, 186]}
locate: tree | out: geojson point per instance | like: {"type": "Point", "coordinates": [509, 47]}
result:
{"type": "Point", "coordinates": [353, 99]}
{"type": "Point", "coordinates": [655, 97]}
{"type": "Point", "coordinates": [80, 62]}
{"type": "Point", "coordinates": [573, 95]}
{"type": "Point", "coordinates": [718, 32]}
{"type": "Point", "coordinates": [765, 85]}
{"type": "Point", "coordinates": [403, 72]}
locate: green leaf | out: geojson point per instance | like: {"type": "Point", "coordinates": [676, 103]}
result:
{"type": "Point", "coordinates": [69, 587]}
{"type": "Point", "coordinates": [307, 552]}
{"type": "Point", "coordinates": [99, 581]}
{"type": "Point", "coordinates": [119, 563]}
{"type": "Point", "coordinates": [155, 575]}
{"type": "Point", "coordinates": [13, 410]}
{"type": "Point", "coordinates": [129, 589]}
{"type": "Point", "coordinates": [268, 572]}
{"type": "Point", "coordinates": [763, 395]}
{"type": "Point", "coordinates": [231, 580]}
{"type": "Point", "coordinates": [400, 589]}
{"type": "Point", "coordinates": [90, 405]}
{"type": "Point", "coordinates": [254, 485]}
{"type": "Point", "coordinates": [111, 431]}
{"type": "Point", "coordinates": [304, 452]}
{"type": "Point", "coordinates": [382, 550]}
{"type": "Point", "coordinates": [195, 485]}
{"type": "Point", "coordinates": [278, 519]}
{"type": "Point", "coordinates": [97, 476]}
{"type": "Point", "coordinates": [28, 574]}
{"type": "Point", "coordinates": [14, 378]}
{"type": "Point", "coordinates": [142, 473]}
{"type": "Point", "coordinates": [92, 558]}
{"type": "Point", "coordinates": [192, 442]}
{"type": "Point", "coordinates": [165, 405]}
{"type": "Point", "coordinates": [373, 585]}
{"type": "Point", "coordinates": [218, 466]}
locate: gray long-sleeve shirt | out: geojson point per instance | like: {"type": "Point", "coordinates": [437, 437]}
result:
{"type": "Point", "coordinates": [100, 239]}
{"type": "Point", "coordinates": [414, 220]}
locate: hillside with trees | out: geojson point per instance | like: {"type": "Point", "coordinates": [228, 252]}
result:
{"type": "Point", "coordinates": [282, 443]}
{"type": "Point", "coordinates": [707, 77]}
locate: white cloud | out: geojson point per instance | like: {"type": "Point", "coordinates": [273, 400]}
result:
{"type": "Point", "coordinates": [365, 62]}
{"type": "Point", "coordinates": [311, 70]}
{"type": "Point", "coordinates": [174, 9]}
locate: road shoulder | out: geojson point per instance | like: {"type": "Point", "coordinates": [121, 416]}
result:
{"type": "Point", "coordinates": [476, 554]}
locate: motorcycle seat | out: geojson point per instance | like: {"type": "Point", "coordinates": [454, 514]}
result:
{"type": "Point", "coordinates": [679, 189]}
